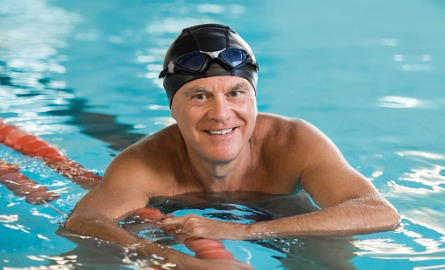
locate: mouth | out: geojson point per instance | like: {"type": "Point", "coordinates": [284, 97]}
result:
{"type": "Point", "coordinates": [220, 132]}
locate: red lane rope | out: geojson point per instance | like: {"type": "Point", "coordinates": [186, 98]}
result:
{"type": "Point", "coordinates": [22, 186]}
{"type": "Point", "coordinates": [34, 193]}
{"type": "Point", "coordinates": [33, 146]}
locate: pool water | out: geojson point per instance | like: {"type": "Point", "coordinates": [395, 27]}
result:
{"type": "Point", "coordinates": [83, 76]}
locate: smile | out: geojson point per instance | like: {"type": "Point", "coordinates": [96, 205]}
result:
{"type": "Point", "coordinates": [220, 132]}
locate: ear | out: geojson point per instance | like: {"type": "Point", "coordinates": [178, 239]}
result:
{"type": "Point", "coordinates": [173, 112]}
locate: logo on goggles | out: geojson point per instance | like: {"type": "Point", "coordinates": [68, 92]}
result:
{"type": "Point", "coordinates": [197, 62]}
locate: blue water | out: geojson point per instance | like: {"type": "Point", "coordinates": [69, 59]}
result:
{"type": "Point", "coordinates": [371, 75]}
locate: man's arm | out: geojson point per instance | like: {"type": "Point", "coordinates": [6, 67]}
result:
{"type": "Point", "coordinates": [350, 203]}
{"type": "Point", "coordinates": [127, 186]}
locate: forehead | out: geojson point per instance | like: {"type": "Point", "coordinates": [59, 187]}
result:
{"type": "Point", "coordinates": [216, 83]}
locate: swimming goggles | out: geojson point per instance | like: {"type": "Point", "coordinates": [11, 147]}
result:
{"type": "Point", "coordinates": [197, 62]}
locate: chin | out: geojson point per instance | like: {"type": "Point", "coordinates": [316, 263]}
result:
{"type": "Point", "coordinates": [221, 155]}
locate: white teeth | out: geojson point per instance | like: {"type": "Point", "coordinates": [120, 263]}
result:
{"type": "Point", "coordinates": [220, 132]}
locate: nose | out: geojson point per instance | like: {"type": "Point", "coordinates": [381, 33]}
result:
{"type": "Point", "coordinates": [219, 110]}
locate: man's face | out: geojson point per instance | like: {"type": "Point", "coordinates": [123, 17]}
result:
{"type": "Point", "coordinates": [216, 116]}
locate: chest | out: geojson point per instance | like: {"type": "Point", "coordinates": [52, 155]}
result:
{"type": "Point", "coordinates": [263, 180]}
{"type": "Point", "coordinates": [271, 180]}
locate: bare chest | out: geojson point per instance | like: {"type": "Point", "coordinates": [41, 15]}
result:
{"type": "Point", "coordinates": [263, 180]}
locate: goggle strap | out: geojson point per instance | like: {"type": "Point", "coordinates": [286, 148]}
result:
{"type": "Point", "coordinates": [171, 67]}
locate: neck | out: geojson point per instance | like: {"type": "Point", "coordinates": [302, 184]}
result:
{"type": "Point", "coordinates": [218, 175]}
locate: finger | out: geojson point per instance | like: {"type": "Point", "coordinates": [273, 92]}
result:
{"type": "Point", "coordinates": [178, 232]}
{"type": "Point", "coordinates": [174, 220]}
{"type": "Point", "coordinates": [166, 216]}
{"type": "Point", "coordinates": [180, 236]}
{"type": "Point", "coordinates": [170, 227]}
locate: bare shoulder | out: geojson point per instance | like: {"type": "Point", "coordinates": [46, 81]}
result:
{"type": "Point", "coordinates": [135, 175]}
{"type": "Point", "coordinates": [147, 163]}
{"type": "Point", "coordinates": [291, 144]}
{"type": "Point", "coordinates": [287, 132]}
{"type": "Point", "coordinates": [156, 148]}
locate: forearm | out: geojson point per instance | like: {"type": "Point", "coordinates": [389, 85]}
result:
{"type": "Point", "coordinates": [354, 216]}
{"type": "Point", "coordinates": [101, 228]}
{"type": "Point", "coordinates": [105, 229]}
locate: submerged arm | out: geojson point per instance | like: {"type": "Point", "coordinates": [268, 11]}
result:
{"type": "Point", "coordinates": [353, 216]}
{"type": "Point", "coordinates": [349, 203]}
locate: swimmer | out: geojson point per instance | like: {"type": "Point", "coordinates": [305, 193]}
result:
{"type": "Point", "coordinates": [220, 143]}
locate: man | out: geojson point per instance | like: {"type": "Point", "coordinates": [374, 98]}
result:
{"type": "Point", "coordinates": [221, 143]}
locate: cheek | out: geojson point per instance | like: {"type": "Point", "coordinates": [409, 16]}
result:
{"type": "Point", "coordinates": [187, 120]}
{"type": "Point", "coordinates": [251, 110]}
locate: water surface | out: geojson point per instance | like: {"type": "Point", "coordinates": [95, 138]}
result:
{"type": "Point", "coordinates": [83, 75]}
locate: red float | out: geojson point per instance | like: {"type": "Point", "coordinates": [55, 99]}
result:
{"type": "Point", "coordinates": [22, 186]}
{"type": "Point", "coordinates": [33, 146]}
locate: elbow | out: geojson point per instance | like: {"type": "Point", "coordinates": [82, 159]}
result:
{"type": "Point", "coordinates": [392, 217]}
{"type": "Point", "coordinates": [86, 223]}
{"type": "Point", "coordinates": [385, 216]}
{"type": "Point", "coordinates": [72, 223]}
{"type": "Point", "coordinates": [78, 224]}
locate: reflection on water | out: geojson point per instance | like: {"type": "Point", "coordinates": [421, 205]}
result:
{"type": "Point", "coordinates": [421, 154]}
{"type": "Point", "coordinates": [101, 126]}
{"type": "Point", "coordinates": [91, 68]}
{"type": "Point", "coordinates": [32, 34]}
{"type": "Point", "coordinates": [32, 31]}
{"type": "Point", "coordinates": [398, 102]}
{"type": "Point", "coordinates": [418, 194]}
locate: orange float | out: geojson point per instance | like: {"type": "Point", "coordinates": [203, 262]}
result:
{"type": "Point", "coordinates": [33, 146]}
{"type": "Point", "coordinates": [22, 186]}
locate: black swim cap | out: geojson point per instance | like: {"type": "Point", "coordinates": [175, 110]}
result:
{"type": "Point", "coordinates": [208, 38]}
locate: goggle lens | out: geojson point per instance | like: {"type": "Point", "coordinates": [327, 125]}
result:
{"type": "Point", "coordinates": [233, 57]}
{"type": "Point", "coordinates": [194, 61]}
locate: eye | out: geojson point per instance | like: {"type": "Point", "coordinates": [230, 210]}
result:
{"type": "Point", "coordinates": [199, 96]}
{"type": "Point", "coordinates": [236, 93]}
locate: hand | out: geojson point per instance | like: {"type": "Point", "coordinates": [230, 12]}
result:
{"type": "Point", "coordinates": [195, 226]}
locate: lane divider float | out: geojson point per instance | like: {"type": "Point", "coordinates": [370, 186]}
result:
{"type": "Point", "coordinates": [22, 186]}
{"type": "Point", "coordinates": [34, 146]}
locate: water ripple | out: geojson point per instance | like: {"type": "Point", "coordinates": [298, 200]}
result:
{"type": "Point", "coordinates": [397, 102]}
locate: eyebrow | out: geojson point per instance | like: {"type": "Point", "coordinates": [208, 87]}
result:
{"type": "Point", "coordinates": [194, 89]}
{"type": "Point", "coordinates": [239, 86]}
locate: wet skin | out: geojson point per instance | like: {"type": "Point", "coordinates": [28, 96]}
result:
{"type": "Point", "coordinates": [216, 123]}
{"type": "Point", "coordinates": [218, 120]}
{"type": "Point", "coordinates": [221, 143]}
